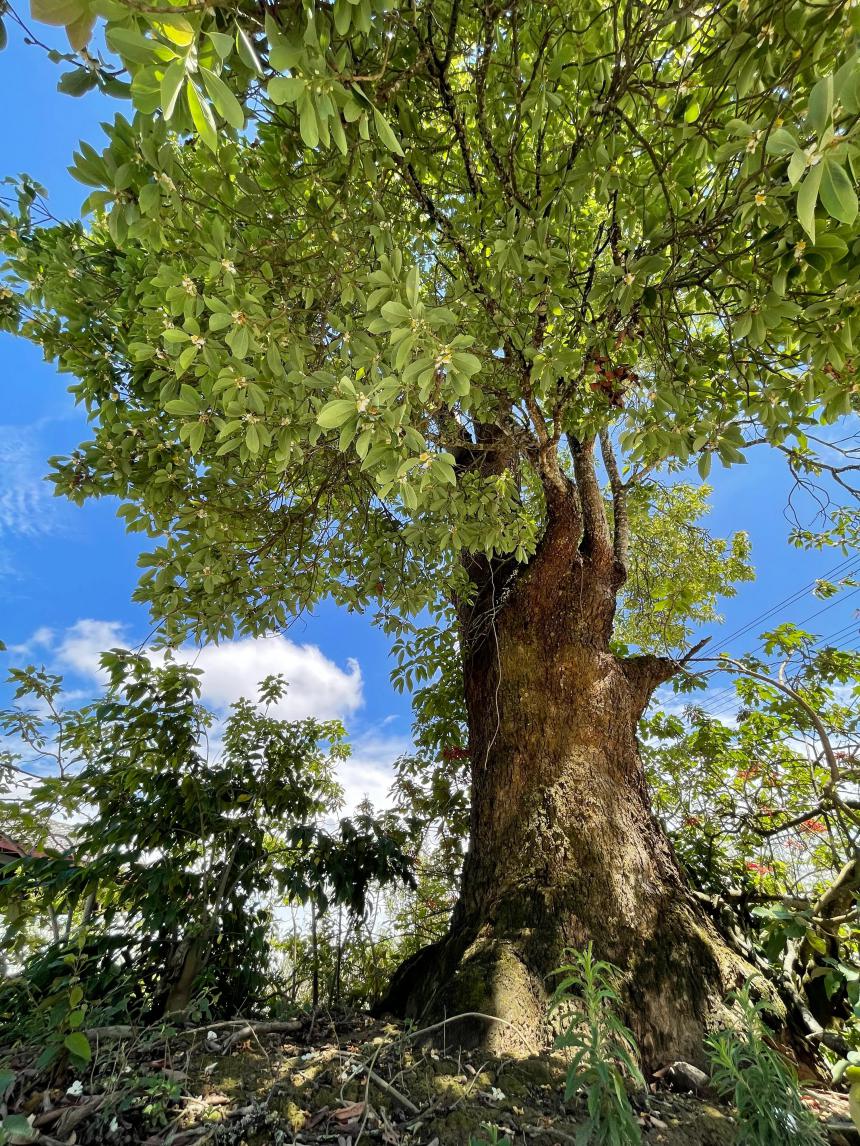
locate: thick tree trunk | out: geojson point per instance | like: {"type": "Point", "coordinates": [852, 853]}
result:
{"type": "Point", "coordinates": [564, 846]}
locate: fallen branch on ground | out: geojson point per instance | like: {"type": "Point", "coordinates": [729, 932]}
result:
{"type": "Point", "coordinates": [391, 1091]}
{"type": "Point", "coordinates": [288, 1026]}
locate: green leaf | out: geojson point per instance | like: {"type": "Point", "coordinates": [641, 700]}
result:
{"type": "Point", "coordinates": [49, 1054]}
{"type": "Point", "coordinates": [79, 32]}
{"type": "Point", "coordinates": [18, 1128]}
{"type": "Point", "coordinates": [352, 110]}
{"type": "Point", "coordinates": [838, 197]}
{"type": "Point", "coordinates": [77, 82]}
{"type": "Point", "coordinates": [146, 91]}
{"type": "Point", "coordinates": [283, 53]}
{"type": "Point", "coordinates": [807, 197]}
{"type": "Point", "coordinates": [467, 364]}
{"type": "Point", "coordinates": [175, 28]}
{"type": "Point", "coordinates": [228, 446]}
{"type": "Point", "coordinates": [58, 13]}
{"type": "Point", "coordinates": [396, 313]}
{"type": "Point", "coordinates": [335, 414]}
{"type": "Point", "coordinates": [181, 408]}
{"type": "Point", "coordinates": [308, 126]}
{"type": "Point", "coordinates": [123, 177]}
{"type": "Point", "coordinates": [386, 135]}
{"type": "Point", "coordinates": [220, 321]}
{"type": "Point", "coordinates": [342, 16]}
{"type": "Point", "coordinates": [195, 437]}
{"type": "Point", "coordinates": [821, 104]}
{"type": "Point", "coordinates": [781, 142]}
{"type": "Point", "coordinates": [338, 134]}
{"type": "Point", "coordinates": [131, 44]}
{"type": "Point", "coordinates": [226, 103]}
{"type": "Point", "coordinates": [247, 51]}
{"type": "Point", "coordinates": [238, 340]}
{"type": "Point", "coordinates": [78, 1045]}
{"type": "Point", "coordinates": [222, 43]}
{"type": "Point", "coordinates": [201, 116]}
{"type": "Point", "coordinates": [186, 357]}
{"type": "Point", "coordinates": [171, 86]}
{"type": "Point", "coordinates": [286, 89]}
{"type": "Point", "coordinates": [149, 199]}
{"type": "Point", "coordinates": [796, 167]}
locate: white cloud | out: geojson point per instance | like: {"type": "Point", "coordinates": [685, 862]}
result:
{"type": "Point", "coordinates": [81, 646]}
{"type": "Point", "coordinates": [368, 772]}
{"type": "Point", "coordinates": [25, 501]}
{"type": "Point", "coordinates": [42, 638]}
{"type": "Point", "coordinates": [317, 686]}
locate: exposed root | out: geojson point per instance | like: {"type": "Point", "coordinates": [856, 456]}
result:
{"type": "Point", "coordinates": [673, 991]}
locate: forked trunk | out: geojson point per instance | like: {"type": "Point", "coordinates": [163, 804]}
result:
{"type": "Point", "coordinates": [564, 845]}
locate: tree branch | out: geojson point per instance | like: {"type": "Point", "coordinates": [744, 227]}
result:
{"type": "Point", "coordinates": [620, 515]}
{"type": "Point", "coordinates": [596, 541]}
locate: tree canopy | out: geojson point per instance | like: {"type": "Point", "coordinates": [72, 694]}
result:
{"type": "Point", "coordinates": [364, 285]}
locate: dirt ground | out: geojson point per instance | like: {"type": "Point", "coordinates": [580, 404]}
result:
{"type": "Point", "coordinates": [341, 1083]}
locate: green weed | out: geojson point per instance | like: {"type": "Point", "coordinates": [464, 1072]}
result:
{"type": "Point", "coordinates": [762, 1086]}
{"type": "Point", "coordinates": [604, 1049]}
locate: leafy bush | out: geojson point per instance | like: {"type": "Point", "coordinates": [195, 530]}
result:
{"type": "Point", "coordinates": [355, 954]}
{"type": "Point", "coordinates": [605, 1049]}
{"type": "Point", "coordinates": [164, 891]}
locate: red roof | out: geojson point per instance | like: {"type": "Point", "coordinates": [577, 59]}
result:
{"type": "Point", "coordinates": [10, 848]}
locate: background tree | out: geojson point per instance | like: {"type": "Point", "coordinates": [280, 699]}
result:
{"type": "Point", "coordinates": [373, 299]}
{"type": "Point", "coordinates": [176, 849]}
{"type": "Point", "coordinates": [764, 815]}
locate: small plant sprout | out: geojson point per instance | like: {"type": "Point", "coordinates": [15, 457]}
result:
{"type": "Point", "coordinates": [493, 1137]}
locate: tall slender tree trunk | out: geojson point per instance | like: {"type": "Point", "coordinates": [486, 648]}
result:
{"type": "Point", "coordinates": [564, 845]}
{"type": "Point", "coordinates": [315, 960]}
{"type": "Point", "coordinates": [181, 992]}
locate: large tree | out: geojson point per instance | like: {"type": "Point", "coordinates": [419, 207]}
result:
{"type": "Point", "coordinates": [376, 297]}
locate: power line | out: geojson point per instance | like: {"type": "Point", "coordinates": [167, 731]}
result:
{"type": "Point", "coordinates": [727, 692]}
{"type": "Point", "coordinates": [819, 641]}
{"type": "Point", "coordinates": [722, 701]}
{"type": "Point", "coordinates": [837, 570]}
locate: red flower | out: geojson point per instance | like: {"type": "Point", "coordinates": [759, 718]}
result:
{"type": "Point", "coordinates": [454, 752]}
{"type": "Point", "coordinates": [748, 773]}
{"type": "Point", "coordinates": [760, 868]}
{"type": "Point", "coordinates": [812, 826]}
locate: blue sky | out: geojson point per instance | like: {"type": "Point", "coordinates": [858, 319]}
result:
{"type": "Point", "coordinates": [67, 573]}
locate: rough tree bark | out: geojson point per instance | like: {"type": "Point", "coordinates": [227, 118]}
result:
{"type": "Point", "coordinates": [564, 845]}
